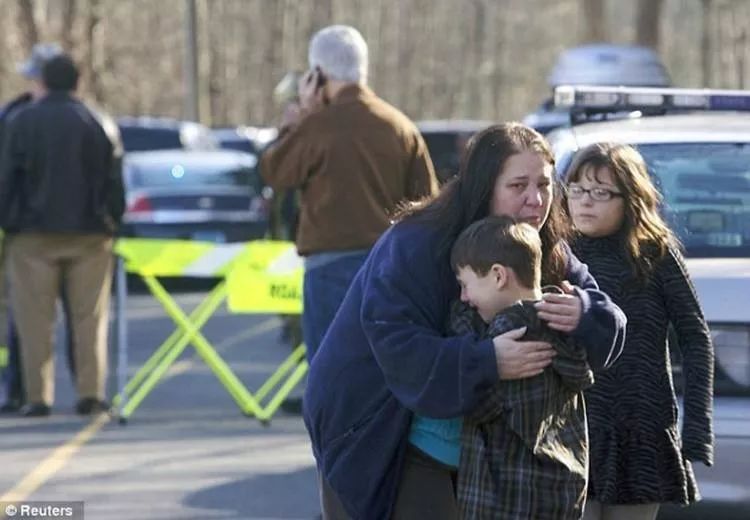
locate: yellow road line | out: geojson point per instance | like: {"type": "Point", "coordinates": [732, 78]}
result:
{"type": "Point", "coordinates": [56, 460]}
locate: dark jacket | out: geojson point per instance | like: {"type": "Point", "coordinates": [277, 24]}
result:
{"type": "Point", "coordinates": [10, 109]}
{"type": "Point", "coordinates": [58, 173]}
{"type": "Point", "coordinates": [524, 451]}
{"type": "Point", "coordinates": [636, 452]}
{"type": "Point", "coordinates": [386, 356]}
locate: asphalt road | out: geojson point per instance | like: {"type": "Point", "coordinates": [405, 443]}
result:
{"type": "Point", "coordinates": [186, 453]}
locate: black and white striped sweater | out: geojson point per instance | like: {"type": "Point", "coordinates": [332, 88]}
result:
{"type": "Point", "coordinates": [637, 454]}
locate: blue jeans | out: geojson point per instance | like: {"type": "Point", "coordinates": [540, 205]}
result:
{"type": "Point", "coordinates": [324, 289]}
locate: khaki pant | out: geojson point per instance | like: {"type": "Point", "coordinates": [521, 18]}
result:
{"type": "Point", "coordinates": [37, 265]}
{"type": "Point", "coordinates": [597, 511]}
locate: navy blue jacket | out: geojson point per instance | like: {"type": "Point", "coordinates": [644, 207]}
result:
{"type": "Point", "coordinates": [387, 355]}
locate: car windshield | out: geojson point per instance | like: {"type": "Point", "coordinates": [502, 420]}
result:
{"type": "Point", "coordinates": [445, 151]}
{"type": "Point", "coordinates": [138, 139]}
{"type": "Point", "coordinates": [192, 176]}
{"type": "Point", "coordinates": [706, 190]}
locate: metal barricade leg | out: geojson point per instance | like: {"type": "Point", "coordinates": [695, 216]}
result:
{"type": "Point", "coordinates": [294, 359]}
{"type": "Point", "coordinates": [229, 380]}
{"type": "Point", "coordinates": [186, 335]}
{"type": "Point", "coordinates": [121, 317]}
{"type": "Point", "coordinates": [178, 339]}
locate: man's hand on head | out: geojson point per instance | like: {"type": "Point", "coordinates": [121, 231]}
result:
{"type": "Point", "coordinates": [311, 93]}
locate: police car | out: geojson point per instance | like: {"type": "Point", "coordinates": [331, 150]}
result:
{"type": "Point", "coordinates": [697, 147]}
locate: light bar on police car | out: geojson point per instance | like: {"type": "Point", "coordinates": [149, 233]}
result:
{"type": "Point", "coordinates": [598, 98]}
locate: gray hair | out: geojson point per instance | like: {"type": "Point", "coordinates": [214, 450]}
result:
{"type": "Point", "coordinates": [340, 52]}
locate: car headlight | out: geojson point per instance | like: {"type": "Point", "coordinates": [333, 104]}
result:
{"type": "Point", "coordinates": [732, 347]}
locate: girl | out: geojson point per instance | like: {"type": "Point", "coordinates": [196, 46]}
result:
{"type": "Point", "coordinates": [637, 459]}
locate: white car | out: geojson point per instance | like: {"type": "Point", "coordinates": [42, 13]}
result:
{"type": "Point", "coordinates": [700, 161]}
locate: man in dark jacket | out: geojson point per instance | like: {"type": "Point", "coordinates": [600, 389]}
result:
{"type": "Point", "coordinates": [61, 200]}
{"type": "Point", "coordinates": [31, 69]}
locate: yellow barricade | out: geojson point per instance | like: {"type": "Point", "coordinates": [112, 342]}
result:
{"type": "Point", "coordinates": [257, 277]}
{"type": "Point", "coordinates": [266, 278]}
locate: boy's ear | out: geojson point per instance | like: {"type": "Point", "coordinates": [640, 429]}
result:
{"type": "Point", "coordinates": [501, 274]}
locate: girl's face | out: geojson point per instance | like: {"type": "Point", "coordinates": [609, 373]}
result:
{"type": "Point", "coordinates": [523, 190]}
{"type": "Point", "coordinates": [595, 203]}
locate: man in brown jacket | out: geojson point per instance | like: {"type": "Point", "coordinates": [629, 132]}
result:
{"type": "Point", "coordinates": [355, 158]}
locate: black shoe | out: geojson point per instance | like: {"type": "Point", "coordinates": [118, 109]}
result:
{"type": "Point", "coordinates": [35, 410]}
{"type": "Point", "coordinates": [11, 406]}
{"type": "Point", "coordinates": [91, 405]}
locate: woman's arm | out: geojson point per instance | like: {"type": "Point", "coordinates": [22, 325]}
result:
{"type": "Point", "coordinates": [694, 342]}
{"type": "Point", "coordinates": [404, 310]}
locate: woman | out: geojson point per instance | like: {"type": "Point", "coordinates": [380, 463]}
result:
{"type": "Point", "coordinates": [637, 460]}
{"type": "Point", "coordinates": [386, 355]}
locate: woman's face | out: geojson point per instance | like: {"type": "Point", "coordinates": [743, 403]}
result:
{"type": "Point", "coordinates": [523, 190]}
{"type": "Point", "coordinates": [595, 203]}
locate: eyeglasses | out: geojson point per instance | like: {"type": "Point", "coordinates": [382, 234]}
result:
{"type": "Point", "coordinates": [576, 191]}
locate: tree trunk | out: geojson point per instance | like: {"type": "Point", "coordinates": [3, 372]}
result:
{"type": "Point", "coordinates": [706, 42]}
{"type": "Point", "coordinates": [27, 24]}
{"type": "Point", "coordinates": [593, 14]}
{"type": "Point", "coordinates": [647, 24]}
{"type": "Point", "coordinates": [88, 67]}
{"type": "Point", "coordinates": [66, 24]}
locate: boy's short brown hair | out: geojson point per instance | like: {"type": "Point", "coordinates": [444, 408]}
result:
{"type": "Point", "coordinates": [500, 240]}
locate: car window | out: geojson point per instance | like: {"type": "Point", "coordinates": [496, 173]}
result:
{"type": "Point", "coordinates": [706, 191]}
{"type": "Point", "coordinates": [139, 139]}
{"type": "Point", "coordinates": [193, 176]}
{"type": "Point", "coordinates": [445, 151]}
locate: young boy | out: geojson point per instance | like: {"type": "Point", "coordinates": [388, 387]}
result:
{"type": "Point", "coordinates": [524, 449]}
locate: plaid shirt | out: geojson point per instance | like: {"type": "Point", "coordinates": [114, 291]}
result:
{"type": "Point", "coordinates": [524, 449]}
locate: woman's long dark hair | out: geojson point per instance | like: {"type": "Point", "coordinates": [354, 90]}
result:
{"type": "Point", "coordinates": [468, 197]}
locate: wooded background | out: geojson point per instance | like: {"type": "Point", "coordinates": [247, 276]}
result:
{"type": "Point", "coordinates": [483, 59]}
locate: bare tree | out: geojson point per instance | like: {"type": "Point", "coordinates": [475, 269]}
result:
{"type": "Point", "coordinates": [593, 14]}
{"type": "Point", "coordinates": [67, 21]}
{"type": "Point", "coordinates": [648, 22]}
{"type": "Point", "coordinates": [88, 68]}
{"type": "Point", "coordinates": [27, 24]}
{"type": "Point", "coordinates": [706, 41]}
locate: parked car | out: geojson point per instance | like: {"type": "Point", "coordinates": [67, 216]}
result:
{"type": "Point", "coordinates": [446, 140]}
{"type": "Point", "coordinates": [598, 64]}
{"type": "Point", "coordinates": [700, 161]}
{"type": "Point", "coordinates": [140, 134]}
{"type": "Point", "coordinates": [213, 196]}
{"type": "Point", "coordinates": [250, 139]}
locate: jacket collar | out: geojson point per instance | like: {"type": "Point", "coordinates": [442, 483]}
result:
{"type": "Point", "coordinates": [351, 93]}
{"type": "Point", "coordinates": [57, 95]}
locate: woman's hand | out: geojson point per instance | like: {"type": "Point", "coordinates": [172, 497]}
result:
{"type": "Point", "coordinates": [562, 312]}
{"type": "Point", "coordinates": [520, 359]}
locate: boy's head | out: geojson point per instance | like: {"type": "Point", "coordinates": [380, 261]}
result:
{"type": "Point", "coordinates": [494, 259]}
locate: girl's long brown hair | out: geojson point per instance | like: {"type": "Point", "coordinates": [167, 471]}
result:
{"type": "Point", "coordinates": [646, 236]}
